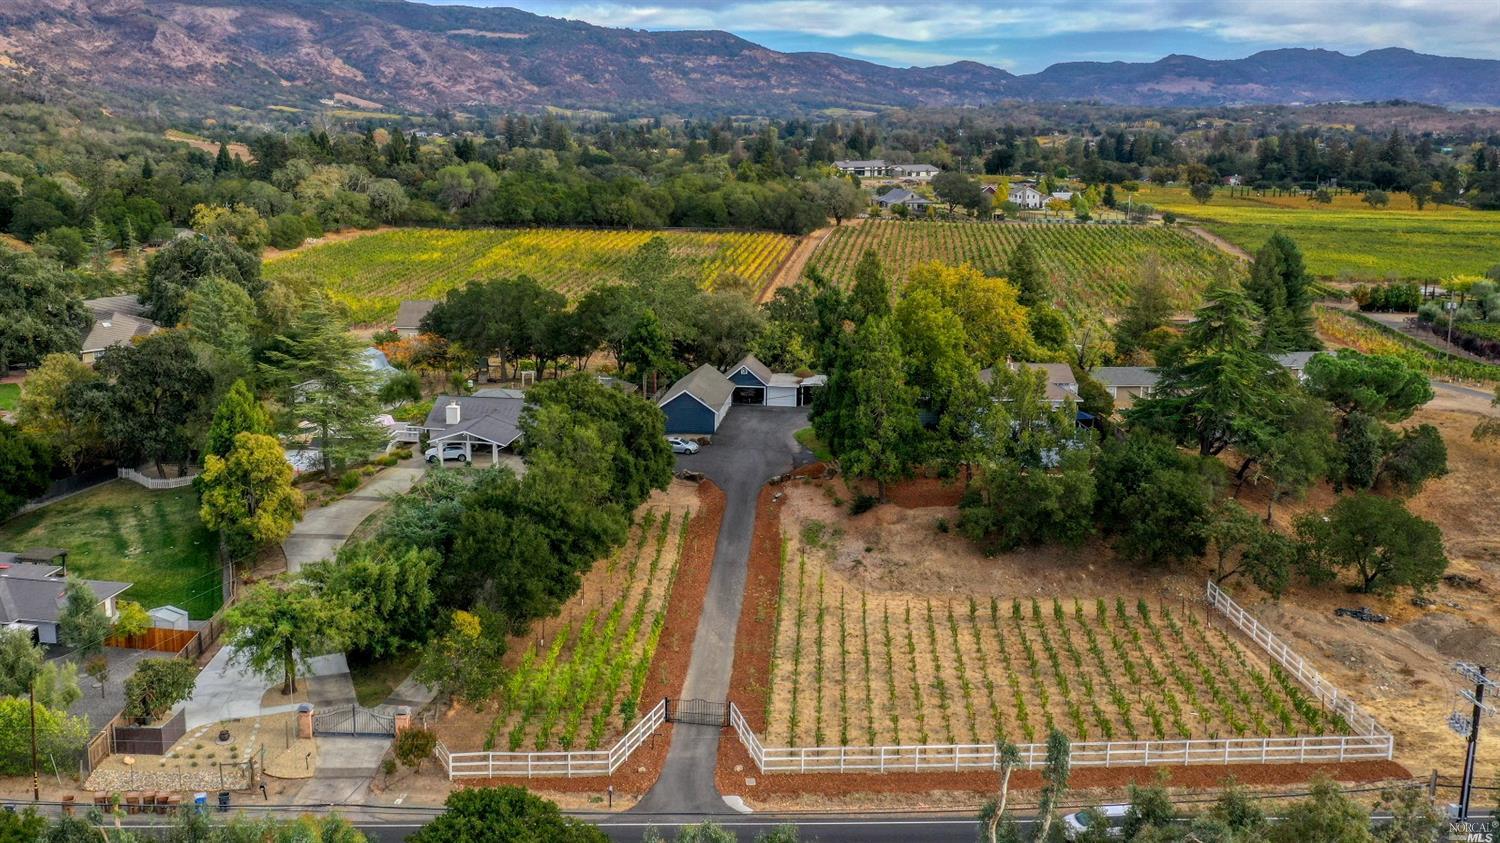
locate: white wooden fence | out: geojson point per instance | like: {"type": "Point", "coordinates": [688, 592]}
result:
{"type": "Point", "coordinates": [1369, 742]}
{"type": "Point", "coordinates": [1331, 697]}
{"type": "Point", "coordinates": [155, 483]}
{"type": "Point", "coordinates": [596, 762]}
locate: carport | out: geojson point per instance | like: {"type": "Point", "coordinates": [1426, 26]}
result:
{"type": "Point", "coordinates": [752, 381]}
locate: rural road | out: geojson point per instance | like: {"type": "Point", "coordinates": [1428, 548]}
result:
{"type": "Point", "coordinates": [752, 445]}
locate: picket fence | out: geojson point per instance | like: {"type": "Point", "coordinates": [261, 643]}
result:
{"type": "Point", "coordinates": [154, 483]}
{"type": "Point", "coordinates": [596, 762]}
{"type": "Point", "coordinates": [1369, 740]}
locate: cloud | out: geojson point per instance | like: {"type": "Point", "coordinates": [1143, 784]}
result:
{"type": "Point", "coordinates": [996, 31]}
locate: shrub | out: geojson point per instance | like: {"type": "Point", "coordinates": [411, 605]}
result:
{"type": "Point", "coordinates": [415, 745]}
{"type": "Point", "coordinates": [347, 483]}
{"type": "Point", "coordinates": [863, 503]}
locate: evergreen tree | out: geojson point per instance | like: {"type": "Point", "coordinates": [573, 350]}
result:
{"type": "Point", "coordinates": [1149, 308]}
{"type": "Point", "coordinates": [237, 413]}
{"type": "Point", "coordinates": [223, 163]}
{"type": "Point", "coordinates": [1280, 287]}
{"type": "Point", "coordinates": [870, 297]}
{"type": "Point", "coordinates": [1024, 270]}
{"type": "Point", "coordinates": [876, 441]}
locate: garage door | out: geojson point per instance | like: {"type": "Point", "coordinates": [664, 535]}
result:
{"type": "Point", "coordinates": [781, 396]}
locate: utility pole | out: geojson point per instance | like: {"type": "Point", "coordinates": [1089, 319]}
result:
{"type": "Point", "coordinates": [1461, 724]}
{"type": "Point", "coordinates": [36, 787]}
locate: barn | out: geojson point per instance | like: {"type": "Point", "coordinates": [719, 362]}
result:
{"type": "Point", "coordinates": [698, 402]}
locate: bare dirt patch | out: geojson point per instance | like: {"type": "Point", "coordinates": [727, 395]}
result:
{"type": "Point", "coordinates": [272, 253]}
{"type": "Point", "coordinates": [790, 271]}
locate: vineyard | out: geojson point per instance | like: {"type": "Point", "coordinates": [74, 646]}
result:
{"type": "Point", "coordinates": [855, 667]}
{"type": "Point", "coordinates": [1347, 237]}
{"type": "Point", "coordinates": [1092, 267]}
{"type": "Point", "coordinates": [1359, 332]}
{"type": "Point", "coordinates": [372, 274]}
{"type": "Point", "coordinates": [582, 689]}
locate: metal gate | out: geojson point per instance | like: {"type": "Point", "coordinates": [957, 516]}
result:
{"type": "Point", "coordinates": [353, 720]}
{"type": "Point", "coordinates": [698, 712]}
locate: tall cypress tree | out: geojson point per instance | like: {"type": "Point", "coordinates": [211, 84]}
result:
{"type": "Point", "coordinates": [1024, 271]}
{"type": "Point", "coordinates": [871, 296]}
{"type": "Point", "coordinates": [1280, 287]}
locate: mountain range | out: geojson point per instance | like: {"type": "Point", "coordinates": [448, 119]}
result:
{"type": "Point", "coordinates": [410, 56]}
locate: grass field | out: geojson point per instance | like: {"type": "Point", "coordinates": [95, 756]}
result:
{"type": "Point", "coordinates": [10, 396]}
{"type": "Point", "coordinates": [1092, 268]}
{"type": "Point", "coordinates": [120, 531]}
{"type": "Point", "coordinates": [1347, 238]}
{"type": "Point", "coordinates": [373, 274]}
{"type": "Point", "coordinates": [583, 688]}
{"type": "Point", "coordinates": [855, 667]}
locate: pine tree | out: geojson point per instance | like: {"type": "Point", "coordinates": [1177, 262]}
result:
{"type": "Point", "coordinates": [1280, 287]}
{"type": "Point", "coordinates": [871, 295]}
{"type": "Point", "coordinates": [880, 436]}
{"type": "Point", "coordinates": [1024, 270]}
{"type": "Point", "coordinates": [222, 162]}
{"type": "Point", "coordinates": [238, 413]}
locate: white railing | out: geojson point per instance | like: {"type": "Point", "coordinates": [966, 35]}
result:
{"type": "Point", "coordinates": [593, 762]}
{"type": "Point", "coordinates": [1336, 700]}
{"type": "Point", "coordinates": [950, 757]}
{"type": "Point", "coordinates": [1369, 742]}
{"type": "Point", "coordinates": [156, 483]}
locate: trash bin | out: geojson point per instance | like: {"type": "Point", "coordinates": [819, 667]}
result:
{"type": "Point", "coordinates": [223, 801]}
{"type": "Point", "coordinates": [200, 801]}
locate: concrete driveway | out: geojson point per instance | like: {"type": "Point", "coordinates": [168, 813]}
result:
{"type": "Point", "coordinates": [322, 531]}
{"type": "Point", "coordinates": [753, 445]}
{"type": "Point", "coordinates": [227, 691]}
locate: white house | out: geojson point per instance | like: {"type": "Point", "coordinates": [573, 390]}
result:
{"type": "Point", "coordinates": [1028, 197]}
{"type": "Point", "coordinates": [863, 168]}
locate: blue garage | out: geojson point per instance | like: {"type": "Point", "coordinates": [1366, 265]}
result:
{"type": "Point", "coordinates": [698, 403]}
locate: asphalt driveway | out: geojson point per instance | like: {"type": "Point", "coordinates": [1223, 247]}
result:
{"type": "Point", "coordinates": [752, 445]}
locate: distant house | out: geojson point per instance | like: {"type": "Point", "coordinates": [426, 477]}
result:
{"type": "Point", "coordinates": [698, 402]}
{"type": "Point", "coordinates": [916, 172]}
{"type": "Point", "coordinates": [1126, 384]}
{"type": "Point", "coordinates": [410, 314]}
{"type": "Point", "coordinates": [117, 320]}
{"type": "Point", "coordinates": [1027, 196]}
{"type": "Point", "coordinates": [32, 587]}
{"type": "Point", "coordinates": [1232, 181]}
{"type": "Point", "coordinates": [1296, 362]}
{"type": "Point", "coordinates": [1062, 195]}
{"type": "Point", "coordinates": [902, 196]}
{"type": "Point", "coordinates": [864, 168]}
{"type": "Point", "coordinates": [482, 420]}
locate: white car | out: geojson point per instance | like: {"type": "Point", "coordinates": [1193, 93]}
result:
{"type": "Point", "coordinates": [682, 446]}
{"type": "Point", "coordinates": [451, 451]}
{"type": "Point", "coordinates": [1077, 823]}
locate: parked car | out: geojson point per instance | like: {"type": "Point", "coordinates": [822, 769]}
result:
{"type": "Point", "coordinates": [1363, 613]}
{"type": "Point", "coordinates": [1077, 823]}
{"type": "Point", "coordinates": [682, 446]}
{"type": "Point", "coordinates": [451, 451]}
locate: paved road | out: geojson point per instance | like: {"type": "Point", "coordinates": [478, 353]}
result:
{"type": "Point", "coordinates": [322, 531]}
{"type": "Point", "coordinates": [753, 445]}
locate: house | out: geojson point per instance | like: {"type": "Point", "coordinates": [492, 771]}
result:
{"type": "Point", "coordinates": [1126, 384]}
{"type": "Point", "coordinates": [1296, 362]}
{"type": "Point", "coordinates": [1232, 181]}
{"type": "Point", "coordinates": [1062, 195]}
{"type": "Point", "coordinates": [902, 196]}
{"type": "Point", "coordinates": [1060, 385]}
{"type": "Point", "coordinates": [755, 383]}
{"type": "Point", "coordinates": [476, 420]}
{"type": "Point", "coordinates": [117, 321]}
{"type": "Point", "coordinates": [698, 402]}
{"type": "Point", "coordinates": [410, 314]}
{"type": "Point", "coordinates": [31, 592]}
{"type": "Point", "coordinates": [1027, 196]}
{"type": "Point", "coordinates": [915, 172]}
{"type": "Point", "coordinates": [863, 169]}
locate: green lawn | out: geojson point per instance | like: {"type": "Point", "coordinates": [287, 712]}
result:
{"type": "Point", "coordinates": [811, 442]}
{"type": "Point", "coordinates": [10, 396]}
{"type": "Point", "coordinates": [374, 682]}
{"type": "Point", "coordinates": [120, 531]}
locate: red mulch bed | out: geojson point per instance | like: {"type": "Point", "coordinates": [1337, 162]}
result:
{"type": "Point", "coordinates": [668, 666]}
{"type": "Point", "coordinates": [916, 493]}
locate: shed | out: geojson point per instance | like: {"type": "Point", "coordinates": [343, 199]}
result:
{"type": "Point", "coordinates": [169, 617]}
{"type": "Point", "coordinates": [698, 402]}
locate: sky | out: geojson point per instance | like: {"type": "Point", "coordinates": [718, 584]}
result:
{"type": "Point", "coordinates": [1025, 37]}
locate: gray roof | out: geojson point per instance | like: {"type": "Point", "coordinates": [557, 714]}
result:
{"type": "Point", "coordinates": [116, 329]}
{"type": "Point", "coordinates": [761, 371]}
{"type": "Point", "coordinates": [704, 383]}
{"type": "Point", "coordinates": [411, 311]}
{"type": "Point", "coordinates": [33, 593]}
{"type": "Point", "coordinates": [1296, 359]}
{"type": "Point", "coordinates": [102, 307]}
{"type": "Point", "coordinates": [917, 168]}
{"type": "Point", "coordinates": [1125, 376]}
{"type": "Point", "coordinates": [1058, 386]}
{"type": "Point", "coordinates": [491, 419]}
{"type": "Point", "coordinates": [498, 392]}
{"type": "Point", "coordinates": [902, 196]}
{"type": "Point", "coordinates": [850, 164]}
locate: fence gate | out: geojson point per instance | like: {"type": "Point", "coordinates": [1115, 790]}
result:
{"type": "Point", "coordinates": [353, 720]}
{"type": "Point", "coordinates": [698, 712]}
